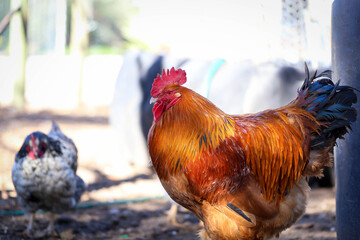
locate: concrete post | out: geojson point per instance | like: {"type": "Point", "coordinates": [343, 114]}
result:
{"type": "Point", "coordinates": [346, 66]}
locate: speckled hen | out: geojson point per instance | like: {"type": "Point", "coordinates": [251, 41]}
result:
{"type": "Point", "coordinates": [44, 175]}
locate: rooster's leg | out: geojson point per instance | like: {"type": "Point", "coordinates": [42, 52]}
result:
{"type": "Point", "coordinates": [171, 219]}
{"type": "Point", "coordinates": [50, 230]}
{"type": "Point", "coordinates": [30, 224]}
{"type": "Point", "coordinates": [171, 216]}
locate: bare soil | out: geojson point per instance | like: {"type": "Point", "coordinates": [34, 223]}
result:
{"type": "Point", "coordinates": [112, 181]}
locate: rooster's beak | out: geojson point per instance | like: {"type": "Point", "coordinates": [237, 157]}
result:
{"type": "Point", "coordinates": [153, 100]}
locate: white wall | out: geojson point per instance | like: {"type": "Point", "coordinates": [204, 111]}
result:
{"type": "Point", "coordinates": [53, 81]}
{"type": "Point", "coordinates": [8, 76]}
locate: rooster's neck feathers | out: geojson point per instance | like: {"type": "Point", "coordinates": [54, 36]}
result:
{"type": "Point", "coordinates": [205, 127]}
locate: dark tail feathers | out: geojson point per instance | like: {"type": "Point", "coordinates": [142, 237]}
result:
{"type": "Point", "coordinates": [331, 104]}
{"type": "Point", "coordinates": [80, 188]}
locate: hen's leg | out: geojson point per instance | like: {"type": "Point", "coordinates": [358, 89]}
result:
{"type": "Point", "coordinates": [30, 224]}
{"type": "Point", "coordinates": [50, 230]}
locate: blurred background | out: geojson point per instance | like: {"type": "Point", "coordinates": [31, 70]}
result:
{"type": "Point", "coordinates": [77, 47]}
{"type": "Point", "coordinates": [89, 65]}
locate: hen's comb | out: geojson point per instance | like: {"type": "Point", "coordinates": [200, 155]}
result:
{"type": "Point", "coordinates": [169, 77]}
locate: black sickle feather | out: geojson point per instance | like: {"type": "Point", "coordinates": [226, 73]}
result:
{"type": "Point", "coordinates": [330, 103]}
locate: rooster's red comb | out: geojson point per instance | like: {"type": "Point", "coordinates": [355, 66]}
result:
{"type": "Point", "coordinates": [169, 77]}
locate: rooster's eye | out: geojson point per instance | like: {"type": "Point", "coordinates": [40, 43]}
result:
{"type": "Point", "coordinates": [169, 93]}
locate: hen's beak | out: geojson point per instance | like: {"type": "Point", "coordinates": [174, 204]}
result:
{"type": "Point", "coordinates": [153, 100]}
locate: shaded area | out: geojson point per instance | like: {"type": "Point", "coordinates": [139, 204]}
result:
{"type": "Point", "coordinates": [132, 221]}
{"type": "Point", "coordinates": [148, 221]}
{"type": "Point", "coordinates": [7, 114]}
{"type": "Point", "coordinates": [103, 181]}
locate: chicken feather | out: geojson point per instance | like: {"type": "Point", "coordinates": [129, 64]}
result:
{"type": "Point", "coordinates": [44, 175]}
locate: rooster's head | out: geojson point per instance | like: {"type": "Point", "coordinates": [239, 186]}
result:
{"type": "Point", "coordinates": [165, 90]}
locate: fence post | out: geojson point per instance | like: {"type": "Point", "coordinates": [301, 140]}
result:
{"type": "Point", "coordinates": [346, 66]}
{"type": "Point", "coordinates": [17, 50]}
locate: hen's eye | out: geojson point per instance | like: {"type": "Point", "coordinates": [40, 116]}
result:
{"type": "Point", "coordinates": [169, 93]}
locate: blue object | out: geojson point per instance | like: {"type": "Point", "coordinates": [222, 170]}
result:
{"type": "Point", "coordinates": [346, 65]}
{"type": "Point", "coordinates": [211, 73]}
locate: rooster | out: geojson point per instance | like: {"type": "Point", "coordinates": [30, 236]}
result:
{"type": "Point", "coordinates": [44, 175]}
{"type": "Point", "coordinates": [244, 176]}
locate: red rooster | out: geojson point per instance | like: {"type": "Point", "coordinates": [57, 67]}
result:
{"type": "Point", "coordinates": [244, 176]}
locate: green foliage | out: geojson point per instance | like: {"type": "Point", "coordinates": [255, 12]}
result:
{"type": "Point", "coordinates": [4, 37]}
{"type": "Point", "coordinates": [111, 18]}
{"type": "Point", "coordinates": [103, 50]}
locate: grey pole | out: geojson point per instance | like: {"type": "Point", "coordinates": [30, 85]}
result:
{"type": "Point", "coordinates": [346, 66]}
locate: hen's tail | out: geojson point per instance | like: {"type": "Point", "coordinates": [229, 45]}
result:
{"type": "Point", "coordinates": [331, 105]}
{"type": "Point", "coordinates": [80, 188]}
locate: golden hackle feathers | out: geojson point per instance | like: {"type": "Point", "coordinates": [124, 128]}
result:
{"type": "Point", "coordinates": [190, 132]}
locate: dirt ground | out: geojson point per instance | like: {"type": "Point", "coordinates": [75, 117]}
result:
{"type": "Point", "coordinates": [122, 201]}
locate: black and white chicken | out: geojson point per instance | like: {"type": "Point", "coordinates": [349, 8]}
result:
{"type": "Point", "coordinates": [44, 175]}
